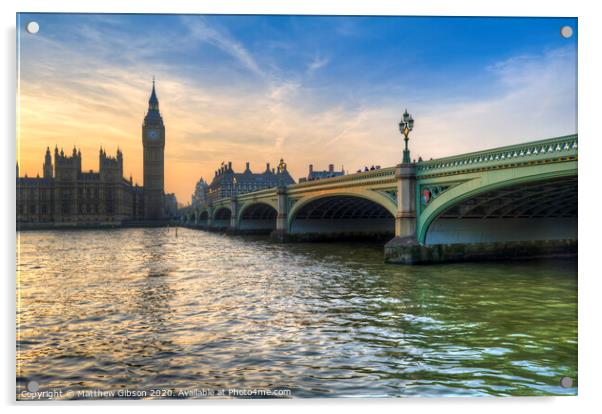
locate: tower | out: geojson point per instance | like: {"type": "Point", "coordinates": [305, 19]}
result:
{"type": "Point", "coordinates": [153, 142]}
{"type": "Point", "coordinates": [48, 164]}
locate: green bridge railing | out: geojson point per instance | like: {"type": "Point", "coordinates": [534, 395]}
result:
{"type": "Point", "coordinates": [552, 148]}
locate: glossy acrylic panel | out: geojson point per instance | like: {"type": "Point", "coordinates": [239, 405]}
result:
{"type": "Point", "coordinates": [217, 206]}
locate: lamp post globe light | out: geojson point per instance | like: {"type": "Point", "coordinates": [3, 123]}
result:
{"type": "Point", "coordinates": [405, 126]}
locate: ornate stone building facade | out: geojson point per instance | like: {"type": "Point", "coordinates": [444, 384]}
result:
{"type": "Point", "coordinates": [66, 195]}
{"type": "Point", "coordinates": [226, 182]}
{"type": "Point", "coordinates": [313, 175]}
{"type": "Point", "coordinates": [199, 196]}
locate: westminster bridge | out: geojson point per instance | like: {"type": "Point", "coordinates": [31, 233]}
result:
{"type": "Point", "coordinates": [507, 202]}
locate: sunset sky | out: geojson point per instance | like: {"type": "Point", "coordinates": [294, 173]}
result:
{"type": "Point", "coordinates": [316, 90]}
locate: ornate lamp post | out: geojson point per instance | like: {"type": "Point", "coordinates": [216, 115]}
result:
{"type": "Point", "coordinates": [281, 169]}
{"type": "Point", "coordinates": [405, 126]}
{"type": "Point", "coordinates": [281, 166]}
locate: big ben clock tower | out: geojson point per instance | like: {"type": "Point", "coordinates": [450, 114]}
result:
{"type": "Point", "coordinates": [153, 142]}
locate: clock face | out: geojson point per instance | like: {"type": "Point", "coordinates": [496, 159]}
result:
{"type": "Point", "coordinates": [153, 134]}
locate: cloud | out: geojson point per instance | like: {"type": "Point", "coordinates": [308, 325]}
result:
{"type": "Point", "coordinates": [317, 63]}
{"type": "Point", "coordinates": [535, 98]}
{"type": "Point", "coordinates": [525, 98]}
{"type": "Point", "coordinates": [200, 30]}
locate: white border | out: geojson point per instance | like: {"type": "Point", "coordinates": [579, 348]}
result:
{"type": "Point", "coordinates": [589, 224]}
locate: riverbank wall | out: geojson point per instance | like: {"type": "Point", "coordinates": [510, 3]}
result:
{"type": "Point", "coordinates": [96, 225]}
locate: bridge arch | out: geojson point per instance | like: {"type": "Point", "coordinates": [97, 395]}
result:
{"type": "Point", "coordinates": [257, 216]}
{"type": "Point", "coordinates": [529, 203]}
{"type": "Point", "coordinates": [202, 217]}
{"type": "Point", "coordinates": [221, 217]}
{"type": "Point", "coordinates": [340, 214]}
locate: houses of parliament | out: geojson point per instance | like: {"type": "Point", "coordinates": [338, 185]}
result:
{"type": "Point", "coordinates": [66, 195]}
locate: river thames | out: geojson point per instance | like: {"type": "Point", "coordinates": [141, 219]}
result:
{"type": "Point", "coordinates": [136, 310]}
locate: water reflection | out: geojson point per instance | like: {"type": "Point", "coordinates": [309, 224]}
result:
{"type": "Point", "coordinates": [141, 309]}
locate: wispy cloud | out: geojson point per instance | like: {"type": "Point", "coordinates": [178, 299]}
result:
{"type": "Point", "coordinates": [536, 98]}
{"type": "Point", "coordinates": [201, 31]}
{"type": "Point", "coordinates": [317, 63]}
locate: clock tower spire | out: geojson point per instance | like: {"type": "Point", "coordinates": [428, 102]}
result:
{"type": "Point", "coordinates": [153, 142]}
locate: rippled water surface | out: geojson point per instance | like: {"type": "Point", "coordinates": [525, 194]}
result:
{"type": "Point", "coordinates": [142, 309]}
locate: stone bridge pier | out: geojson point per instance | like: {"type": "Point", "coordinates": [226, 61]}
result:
{"type": "Point", "coordinates": [209, 215]}
{"type": "Point", "coordinates": [233, 214]}
{"type": "Point", "coordinates": [401, 248]}
{"type": "Point", "coordinates": [281, 232]}
{"type": "Point", "coordinates": [405, 219]}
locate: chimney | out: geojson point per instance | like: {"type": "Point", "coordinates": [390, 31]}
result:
{"type": "Point", "coordinates": [248, 167]}
{"type": "Point", "coordinates": [330, 167]}
{"type": "Point", "coordinates": [267, 166]}
{"type": "Point", "coordinates": [230, 165]}
{"type": "Point", "coordinates": [311, 168]}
